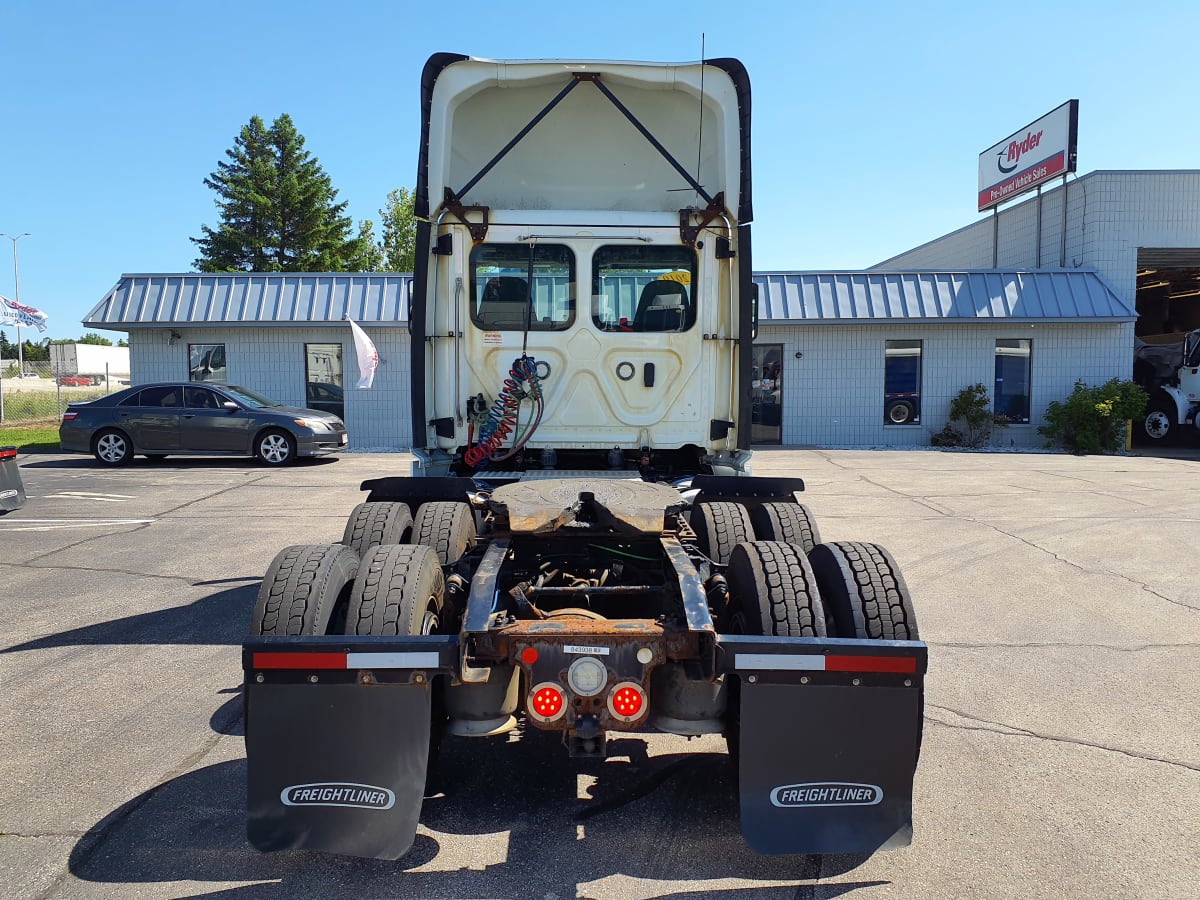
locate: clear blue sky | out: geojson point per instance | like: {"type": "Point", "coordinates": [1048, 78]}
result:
{"type": "Point", "coordinates": [868, 117]}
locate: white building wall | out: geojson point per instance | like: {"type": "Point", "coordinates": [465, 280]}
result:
{"type": "Point", "coordinates": [1109, 215]}
{"type": "Point", "coordinates": [833, 394]}
{"type": "Point", "coordinates": [270, 360]}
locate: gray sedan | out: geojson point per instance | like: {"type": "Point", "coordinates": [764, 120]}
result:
{"type": "Point", "coordinates": [189, 419]}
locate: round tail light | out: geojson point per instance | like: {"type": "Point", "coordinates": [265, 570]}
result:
{"type": "Point", "coordinates": [627, 701]}
{"type": "Point", "coordinates": [547, 702]}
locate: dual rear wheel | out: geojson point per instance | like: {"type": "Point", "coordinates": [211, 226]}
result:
{"type": "Point", "coordinates": [372, 583]}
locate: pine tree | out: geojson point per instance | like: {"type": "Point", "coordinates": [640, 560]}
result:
{"type": "Point", "coordinates": [279, 210]}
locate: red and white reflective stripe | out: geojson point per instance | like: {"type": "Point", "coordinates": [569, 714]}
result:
{"type": "Point", "coordinates": [413, 660]}
{"type": "Point", "coordinates": [814, 662]}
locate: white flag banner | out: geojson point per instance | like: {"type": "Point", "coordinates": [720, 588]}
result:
{"type": "Point", "coordinates": [368, 356]}
{"type": "Point", "coordinates": [14, 313]}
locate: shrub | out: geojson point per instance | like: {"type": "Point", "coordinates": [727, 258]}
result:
{"type": "Point", "coordinates": [1092, 419]}
{"type": "Point", "coordinates": [971, 420]}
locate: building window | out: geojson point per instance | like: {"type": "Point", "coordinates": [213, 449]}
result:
{"type": "Point", "coordinates": [323, 378]}
{"type": "Point", "coordinates": [901, 382]}
{"type": "Point", "coordinates": [206, 362]}
{"type": "Point", "coordinates": [643, 288]}
{"type": "Point", "coordinates": [766, 404]}
{"type": "Point", "coordinates": [500, 294]}
{"type": "Point", "coordinates": [1011, 398]}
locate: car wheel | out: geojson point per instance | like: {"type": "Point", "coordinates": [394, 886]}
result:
{"type": "Point", "coordinates": [112, 447]}
{"type": "Point", "coordinates": [275, 447]}
{"type": "Point", "coordinates": [900, 412]}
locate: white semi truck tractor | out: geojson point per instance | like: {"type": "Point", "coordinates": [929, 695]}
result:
{"type": "Point", "coordinates": [581, 547]}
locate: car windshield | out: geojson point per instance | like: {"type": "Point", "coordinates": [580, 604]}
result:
{"type": "Point", "coordinates": [247, 397]}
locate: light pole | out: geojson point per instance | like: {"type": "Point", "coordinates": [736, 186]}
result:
{"type": "Point", "coordinates": [17, 291]}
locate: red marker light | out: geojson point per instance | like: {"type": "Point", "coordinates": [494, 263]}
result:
{"type": "Point", "coordinates": [547, 702]}
{"type": "Point", "coordinates": [529, 656]}
{"type": "Point", "coordinates": [626, 701]}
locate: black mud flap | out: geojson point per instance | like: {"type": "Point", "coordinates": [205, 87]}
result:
{"type": "Point", "coordinates": [337, 741]}
{"type": "Point", "coordinates": [829, 737]}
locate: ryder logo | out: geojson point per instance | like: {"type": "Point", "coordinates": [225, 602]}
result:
{"type": "Point", "coordinates": [338, 793]}
{"type": "Point", "coordinates": [1013, 152]}
{"type": "Point", "coordinates": [826, 793]}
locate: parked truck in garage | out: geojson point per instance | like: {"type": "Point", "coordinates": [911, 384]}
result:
{"type": "Point", "coordinates": [581, 547]}
{"type": "Point", "coordinates": [1175, 400]}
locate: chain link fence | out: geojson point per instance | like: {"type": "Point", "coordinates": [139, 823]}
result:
{"type": "Point", "coordinates": [37, 396]}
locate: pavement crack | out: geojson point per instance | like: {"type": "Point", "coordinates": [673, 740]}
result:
{"type": "Point", "coordinates": [131, 574]}
{"type": "Point", "coordinates": [1062, 559]}
{"type": "Point", "coordinates": [225, 490]}
{"type": "Point", "coordinates": [80, 543]}
{"type": "Point", "coordinates": [981, 724]}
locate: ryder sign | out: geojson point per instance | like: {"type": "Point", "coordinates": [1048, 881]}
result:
{"type": "Point", "coordinates": [1040, 151]}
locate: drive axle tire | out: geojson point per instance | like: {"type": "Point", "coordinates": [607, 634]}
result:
{"type": "Point", "coordinates": [864, 591]}
{"type": "Point", "coordinates": [398, 591]}
{"type": "Point", "coordinates": [112, 447]}
{"type": "Point", "coordinates": [773, 592]}
{"type": "Point", "coordinates": [306, 591]}
{"type": "Point", "coordinates": [373, 524]}
{"type": "Point", "coordinates": [791, 523]}
{"type": "Point", "coordinates": [720, 526]}
{"type": "Point", "coordinates": [447, 527]}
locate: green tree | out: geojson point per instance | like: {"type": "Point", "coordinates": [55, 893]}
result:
{"type": "Point", "coordinates": [278, 209]}
{"type": "Point", "coordinates": [7, 349]}
{"type": "Point", "coordinates": [398, 244]}
{"type": "Point", "coordinates": [92, 338]}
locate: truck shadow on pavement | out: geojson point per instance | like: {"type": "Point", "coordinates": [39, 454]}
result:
{"type": "Point", "coordinates": [218, 619]}
{"type": "Point", "coordinates": [508, 822]}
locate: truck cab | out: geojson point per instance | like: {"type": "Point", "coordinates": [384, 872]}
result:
{"type": "Point", "coordinates": [582, 296]}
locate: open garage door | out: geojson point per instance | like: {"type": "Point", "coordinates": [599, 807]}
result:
{"type": "Point", "coordinates": [1168, 290]}
{"type": "Point", "coordinates": [1168, 307]}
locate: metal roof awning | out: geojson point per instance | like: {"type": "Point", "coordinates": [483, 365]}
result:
{"type": "Point", "coordinates": [1045, 295]}
{"type": "Point", "coordinates": [244, 298]}
{"type": "Point", "coordinates": [284, 298]}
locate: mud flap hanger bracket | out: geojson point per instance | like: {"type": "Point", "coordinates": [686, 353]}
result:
{"type": "Point", "coordinates": [452, 200]}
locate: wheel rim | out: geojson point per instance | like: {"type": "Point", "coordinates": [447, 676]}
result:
{"type": "Point", "coordinates": [898, 414]}
{"type": "Point", "coordinates": [111, 447]}
{"type": "Point", "coordinates": [274, 448]}
{"type": "Point", "coordinates": [429, 624]}
{"type": "Point", "coordinates": [1157, 424]}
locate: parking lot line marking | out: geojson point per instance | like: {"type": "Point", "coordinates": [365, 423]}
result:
{"type": "Point", "coordinates": [52, 524]}
{"type": "Point", "coordinates": [83, 495]}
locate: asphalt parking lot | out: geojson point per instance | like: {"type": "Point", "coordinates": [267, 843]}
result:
{"type": "Point", "coordinates": [1059, 596]}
